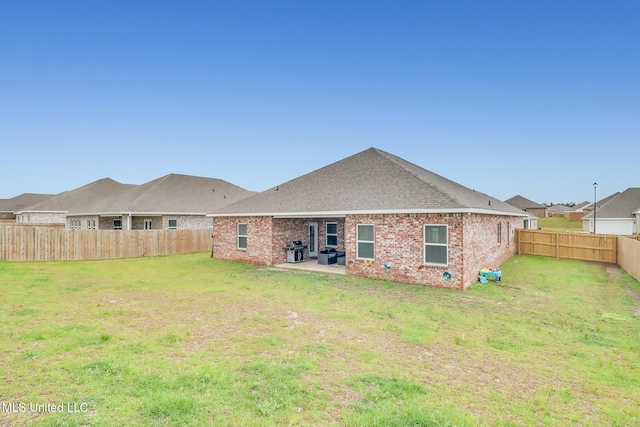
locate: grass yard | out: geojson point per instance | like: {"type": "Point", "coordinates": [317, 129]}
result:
{"type": "Point", "coordinates": [559, 224]}
{"type": "Point", "coordinates": [190, 341]}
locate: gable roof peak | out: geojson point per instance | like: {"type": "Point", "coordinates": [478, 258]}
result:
{"type": "Point", "coordinates": [369, 181]}
{"type": "Point", "coordinates": [523, 203]}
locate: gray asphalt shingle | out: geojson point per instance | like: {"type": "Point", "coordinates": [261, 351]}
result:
{"type": "Point", "coordinates": [173, 193]}
{"type": "Point", "coordinates": [370, 181]}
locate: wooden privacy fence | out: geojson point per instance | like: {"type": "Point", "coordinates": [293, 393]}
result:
{"type": "Point", "coordinates": [629, 255]}
{"type": "Point", "coordinates": [582, 246]}
{"type": "Point", "coordinates": [51, 243]}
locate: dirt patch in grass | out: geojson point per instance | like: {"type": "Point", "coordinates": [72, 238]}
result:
{"type": "Point", "coordinates": [613, 272]}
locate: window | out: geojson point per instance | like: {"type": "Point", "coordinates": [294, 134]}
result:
{"type": "Point", "coordinates": [147, 224]}
{"type": "Point", "coordinates": [242, 236]}
{"type": "Point", "coordinates": [173, 224]}
{"type": "Point", "coordinates": [75, 224]}
{"type": "Point", "coordinates": [365, 241]}
{"type": "Point", "coordinates": [499, 232]}
{"type": "Point", "coordinates": [332, 234]}
{"type": "Point", "coordinates": [435, 244]}
{"type": "Point", "coordinates": [117, 224]}
{"type": "Point", "coordinates": [91, 224]}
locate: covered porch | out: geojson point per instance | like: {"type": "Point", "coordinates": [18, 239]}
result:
{"type": "Point", "coordinates": [319, 240]}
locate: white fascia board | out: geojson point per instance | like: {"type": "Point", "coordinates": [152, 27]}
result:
{"type": "Point", "coordinates": [165, 213]}
{"type": "Point", "coordinates": [112, 214]}
{"type": "Point", "coordinates": [339, 214]}
{"type": "Point", "coordinates": [38, 212]}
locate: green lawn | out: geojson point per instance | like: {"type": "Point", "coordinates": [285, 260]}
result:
{"type": "Point", "coordinates": [190, 341]}
{"type": "Point", "coordinates": [559, 224]}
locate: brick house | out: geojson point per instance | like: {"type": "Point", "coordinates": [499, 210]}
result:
{"type": "Point", "coordinates": [379, 209]}
{"type": "Point", "coordinates": [169, 202]}
{"type": "Point", "coordinates": [535, 209]}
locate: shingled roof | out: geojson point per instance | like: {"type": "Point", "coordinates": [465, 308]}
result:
{"type": "Point", "coordinates": [372, 181]}
{"type": "Point", "coordinates": [624, 205]}
{"type": "Point", "coordinates": [92, 193]}
{"type": "Point", "coordinates": [523, 203]}
{"type": "Point", "coordinates": [173, 193]}
{"type": "Point", "coordinates": [22, 201]}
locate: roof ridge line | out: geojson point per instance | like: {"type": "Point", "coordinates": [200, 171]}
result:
{"type": "Point", "coordinates": [396, 160]}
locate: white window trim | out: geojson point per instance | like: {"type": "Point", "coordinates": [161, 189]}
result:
{"type": "Point", "coordinates": [246, 236]}
{"type": "Point", "coordinates": [424, 240]}
{"type": "Point", "coordinates": [373, 242]}
{"type": "Point", "coordinates": [169, 224]}
{"type": "Point", "coordinates": [116, 227]}
{"type": "Point", "coordinates": [326, 234]}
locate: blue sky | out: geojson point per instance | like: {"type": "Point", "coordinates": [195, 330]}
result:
{"type": "Point", "coordinates": [536, 98]}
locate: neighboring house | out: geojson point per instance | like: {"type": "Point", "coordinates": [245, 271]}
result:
{"type": "Point", "coordinates": [530, 207]}
{"type": "Point", "coordinates": [55, 209]}
{"type": "Point", "coordinates": [577, 212]}
{"type": "Point", "coordinates": [619, 215]}
{"type": "Point", "coordinates": [391, 218]}
{"type": "Point", "coordinates": [170, 202]}
{"type": "Point", "coordinates": [8, 207]}
{"type": "Point", "coordinates": [558, 211]}
{"type": "Point", "coordinates": [588, 208]}
{"type": "Point", "coordinates": [580, 206]}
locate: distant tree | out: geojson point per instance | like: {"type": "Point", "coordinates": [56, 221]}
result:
{"type": "Point", "coordinates": [548, 205]}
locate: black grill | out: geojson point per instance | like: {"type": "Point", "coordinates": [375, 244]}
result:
{"type": "Point", "coordinates": [295, 251]}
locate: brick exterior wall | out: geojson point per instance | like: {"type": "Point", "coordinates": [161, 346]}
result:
{"type": "Point", "coordinates": [106, 223]}
{"type": "Point", "coordinates": [539, 212]}
{"type": "Point", "coordinates": [322, 233]}
{"type": "Point", "coordinates": [575, 216]}
{"type": "Point", "coordinates": [41, 218]}
{"type": "Point", "coordinates": [187, 221]}
{"type": "Point", "coordinates": [137, 222]}
{"type": "Point", "coordinates": [260, 242]}
{"type": "Point", "coordinates": [481, 246]}
{"type": "Point", "coordinates": [399, 239]}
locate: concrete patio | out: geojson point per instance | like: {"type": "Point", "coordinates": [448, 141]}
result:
{"type": "Point", "coordinates": [311, 264]}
